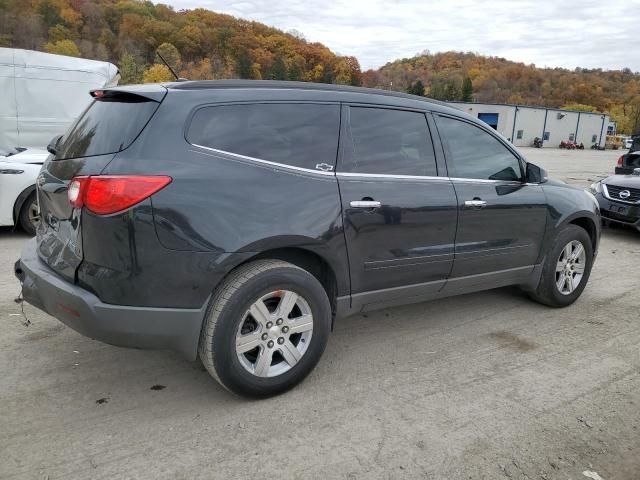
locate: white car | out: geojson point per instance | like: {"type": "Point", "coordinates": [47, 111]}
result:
{"type": "Point", "coordinates": [18, 201]}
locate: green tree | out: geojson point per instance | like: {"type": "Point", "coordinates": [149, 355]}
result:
{"type": "Point", "coordinates": [445, 89]}
{"type": "Point", "coordinates": [296, 68]}
{"type": "Point", "coordinates": [50, 13]}
{"type": "Point", "coordinates": [416, 88]}
{"type": "Point", "coordinates": [244, 65]}
{"type": "Point", "coordinates": [467, 90]}
{"type": "Point", "coordinates": [328, 75]}
{"type": "Point", "coordinates": [131, 72]}
{"type": "Point", "coordinates": [63, 47]}
{"type": "Point", "coordinates": [279, 69]}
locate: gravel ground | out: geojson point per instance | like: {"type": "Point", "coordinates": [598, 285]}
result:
{"type": "Point", "coordinates": [487, 386]}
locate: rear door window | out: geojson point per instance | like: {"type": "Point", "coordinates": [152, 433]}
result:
{"type": "Point", "coordinates": [389, 142]}
{"type": "Point", "coordinates": [300, 135]}
{"type": "Point", "coordinates": [477, 154]}
{"type": "Point", "coordinates": [106, 126]}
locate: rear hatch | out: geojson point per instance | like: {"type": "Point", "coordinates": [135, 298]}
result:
{"type": "Point", "coordinates": [109, 125]}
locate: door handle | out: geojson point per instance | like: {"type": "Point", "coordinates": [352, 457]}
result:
{"type": "Point", "coordinates": [365, 204]}
{"type": "Point", "coordinates": [475, 204]}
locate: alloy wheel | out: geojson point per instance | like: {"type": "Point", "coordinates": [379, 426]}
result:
{"type": "Point", "coordinates": [274, 334]}
{"type": "Point", "coordinates": [570, 267]}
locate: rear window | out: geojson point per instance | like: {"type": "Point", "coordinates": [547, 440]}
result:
{"type": "Point", "coordinates": [106, 126]}
{"type": "Point", "coordinates": [301, 135]}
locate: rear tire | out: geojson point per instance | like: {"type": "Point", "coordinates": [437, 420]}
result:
{"type": "Point", "coordinates": [266, 328]}
{"type": "Point", "coordinates": [29, 216]}
{"type": "Point", "coordinates": [566, 268]}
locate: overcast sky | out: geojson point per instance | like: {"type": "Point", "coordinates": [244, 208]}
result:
{"type": "Point", "coordinates": [561, 33]}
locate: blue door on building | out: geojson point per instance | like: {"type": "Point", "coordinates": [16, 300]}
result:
{"type": "Point", "coordinates": [490, 119]}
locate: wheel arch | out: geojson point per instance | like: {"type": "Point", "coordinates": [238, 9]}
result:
{"type": "Point", "coordinates": [20, 199]}
{"type": "Point", "coordinates": [318, 265]}
{"type": "Point", "coordinates": [589, 225]}
{"type": "Point", "coordinates": [310, 261]}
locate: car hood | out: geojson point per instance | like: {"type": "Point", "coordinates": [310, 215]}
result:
{"type": "Point", "coordinates": [31, 155]}
{"type": "Point", "coordinates": [629, 181]}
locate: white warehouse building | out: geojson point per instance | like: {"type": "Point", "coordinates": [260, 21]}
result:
{"type": "Point", "coordinates": [521, 124]}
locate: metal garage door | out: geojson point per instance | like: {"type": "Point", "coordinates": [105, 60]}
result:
{"type": "Point", "coordinates": [490, 119]}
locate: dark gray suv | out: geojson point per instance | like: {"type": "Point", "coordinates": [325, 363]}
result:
{"type": "Point", "coordinates": [238, 220]}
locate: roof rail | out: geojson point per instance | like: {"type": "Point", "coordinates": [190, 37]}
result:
{"type": "Point", "coordinates": [277, 84]}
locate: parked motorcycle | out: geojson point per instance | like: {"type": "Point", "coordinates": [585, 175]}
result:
{"type": "Point", "coordinates": [537, 142]}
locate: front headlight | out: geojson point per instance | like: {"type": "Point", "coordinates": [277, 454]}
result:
{"type": "Point", "coordinates": [596, 187]}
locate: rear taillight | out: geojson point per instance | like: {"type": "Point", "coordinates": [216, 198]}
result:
{"type": "Point", "coordinates": [109, 194]}
{"type": "Point", "coordinates": [620, 161]}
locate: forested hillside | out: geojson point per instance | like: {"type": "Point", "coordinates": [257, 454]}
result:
{"type": "Point", "coordinates": [199, 44]}
{"type": "Point", "coordinates": [497, 80]}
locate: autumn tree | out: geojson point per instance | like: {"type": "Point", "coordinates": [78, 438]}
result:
{"type": "Point", "coordinates": [62, 47]}
{"type": "Point", "coordinates": [580, 107]}
{"type": "Point", "coordinates": [171, 55]}
{"type": "Point", "coordinates": [206, 44]}
{"type": "Point", "coordinates": [157, 73]}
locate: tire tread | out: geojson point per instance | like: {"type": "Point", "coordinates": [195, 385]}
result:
{"type": "Point", "coordinates": [225, 291]}
{"type": "Point", "coordinates": [545, 293]}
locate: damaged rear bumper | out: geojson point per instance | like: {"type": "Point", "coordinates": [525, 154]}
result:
{"type": "Point", "coordinates": [139, 327]}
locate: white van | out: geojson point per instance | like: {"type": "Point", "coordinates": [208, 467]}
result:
{"type": "Point", "coordinates": [43, 93]}
{"type": "Point", "coordinates": [40, 96]}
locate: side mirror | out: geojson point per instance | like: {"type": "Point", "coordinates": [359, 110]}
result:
{"type": "Point", "coordinates": [52, 148]}
{"type": "Point", "coordinates": [536, 174]}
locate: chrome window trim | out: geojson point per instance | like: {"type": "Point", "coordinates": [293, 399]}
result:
{"type": "Point", "coordinates": [426, 177]}
{"type": "Point", "coordinates": [481, 180]}
{"type": "Point", "coordinates": [605, 190]}
{"type": "Point", "coordinates": [384, 175]}
{"type": "Point", "coordinates": [354, 174]}
{"type": "Point", "coordinates": [265, 162]}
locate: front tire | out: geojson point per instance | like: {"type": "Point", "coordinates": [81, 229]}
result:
{"type": "Point", "coordinates": [566, 268]}
{"type": "Point", "coordinates": [266, 328]}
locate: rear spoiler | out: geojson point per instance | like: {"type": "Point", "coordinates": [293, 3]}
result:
{"type": "Point", "coordinates": [153, 92]}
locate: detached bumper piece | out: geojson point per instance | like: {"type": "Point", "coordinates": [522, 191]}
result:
{"type": "Point", "coordinates": [126, 326]}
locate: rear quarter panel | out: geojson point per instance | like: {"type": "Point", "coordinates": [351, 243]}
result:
{"type": "Point", "coordinates": [224, 205]}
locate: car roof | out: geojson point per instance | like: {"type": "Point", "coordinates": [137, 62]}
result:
{"type": "Point", "coordinates": [316, 91]}
{"type": "Point", "coordinates": [309, 86]}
